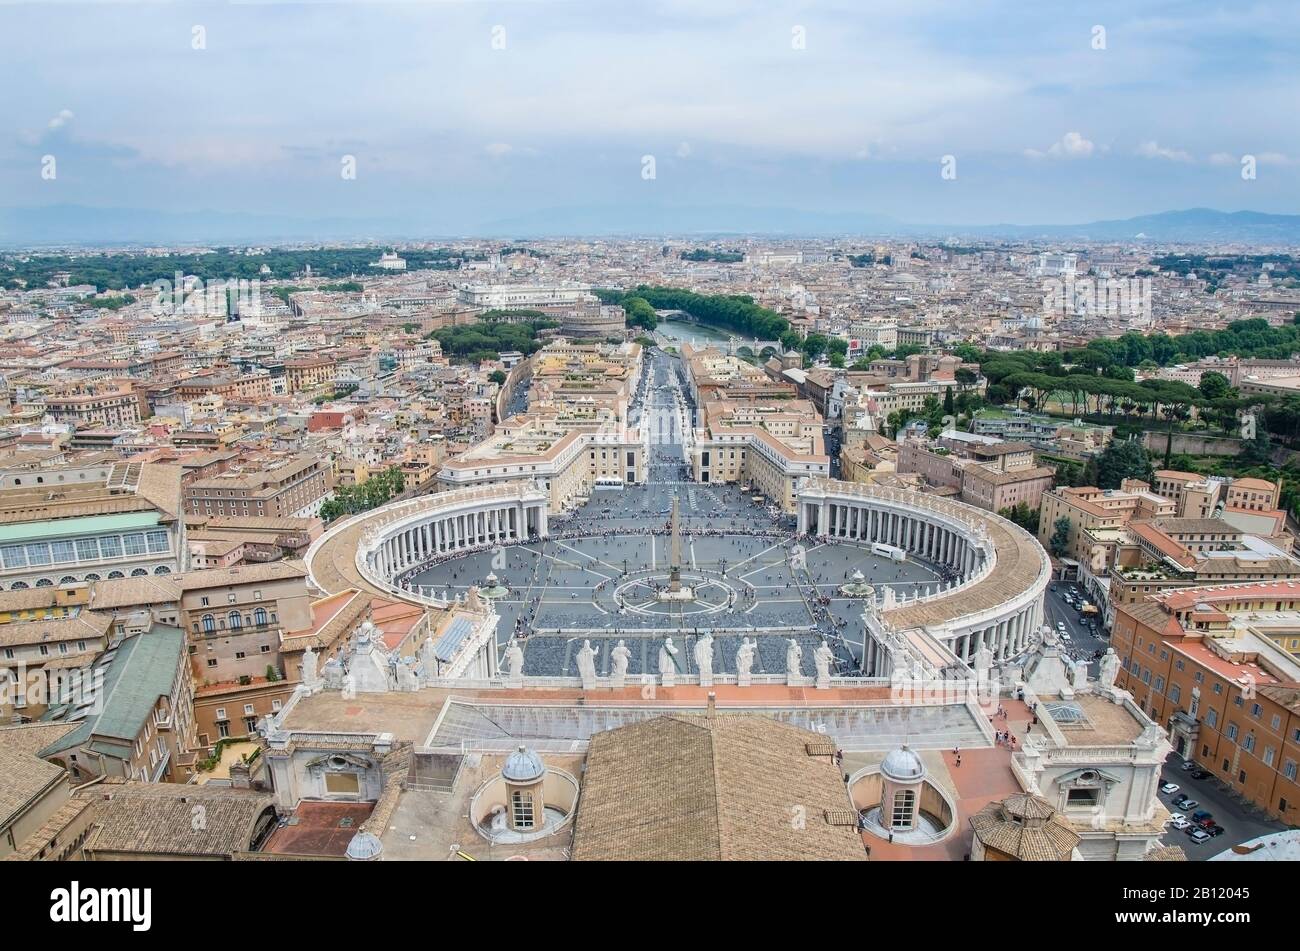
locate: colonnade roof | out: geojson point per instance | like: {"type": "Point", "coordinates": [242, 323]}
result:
{"type": "Point", "coordinates": [1020, 564]}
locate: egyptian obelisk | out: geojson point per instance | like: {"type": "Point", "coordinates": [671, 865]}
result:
{"type": "Point", "coordinates": [675, 559]}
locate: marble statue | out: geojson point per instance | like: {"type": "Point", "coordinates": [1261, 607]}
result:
{"type": "Point", "coordinates": [793, 653]}
{"type": "Point", "coordinates": [472, 602]}
{"type": "Point", "coordinates": [667, 666]}
{"type": "Point", "coordinates": [618, 659]}
{"type": "Point", "coordinates": [514, 660]}
{"type": "Point", "coordinates": [983, 659]}
{"type": "Point", "coordinates": [587, 663]}
{"type": "Point", "coordinates": [309, 667]}
{"type": "Point", "coordinates": [704, 659]}
{"type": "Point", "coordinates": [822, 658]}
{"type": "Point", "coordinates": [1109, 670]}
{"type": "Point", "coordinates": [745, 658]}
{"type": "Point", "coordinates": [1078, 675]}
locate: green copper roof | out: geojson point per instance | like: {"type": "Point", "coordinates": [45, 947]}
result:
{"type": "Point", "coordinates": [88, 525]}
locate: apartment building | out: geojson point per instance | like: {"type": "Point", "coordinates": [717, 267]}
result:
{"type": "Point", "coordinates": [294, 486]}
{"type": "Point", "coordinates": [106, 405]}
{"type": "Point", "coordinates": [69, 523]}
{"type": "Point", "coordinates": [1208, 665]}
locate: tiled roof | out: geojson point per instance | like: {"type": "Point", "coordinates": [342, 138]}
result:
{"type": "Point", "coordinates": [724, 787]}
{"type": "Point", "coordinates": [23, 778]}
{"type": "Point", "coordinates": [158, 818]}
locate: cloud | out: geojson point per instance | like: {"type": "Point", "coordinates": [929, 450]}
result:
{"type": "Point", "coordinates": [1223, 158]}
{"type": "Point", "coordinates": [62, 119]}
{"type": "Point", "coordinates": [1072, 145]}
{"type": "Point", "coordinates": [684, 150]}
{"type": "Point", "coordinates": [1154, 150]}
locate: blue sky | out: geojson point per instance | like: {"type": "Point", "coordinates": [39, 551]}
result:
{"type": "Point", "coordinates": [451, 135]}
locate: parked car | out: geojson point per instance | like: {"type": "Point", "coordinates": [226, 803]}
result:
{"type": "Point", "coordinates": [1188, 764]}
{"type": "Point", "coordinates": [1200, 774]}
{"type": "Point", "coordinates": [1169, 788]}
{"type": "Point", "coordinates": [1179, 822]}
{"type": "Point", "coordinates": [1197, 834]}
{"type": "Point", "coordinates": [1213, 829]}
{"type": "Point", "coordinates": [1185, 804]}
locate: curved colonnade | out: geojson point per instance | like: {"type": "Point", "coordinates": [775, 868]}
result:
{"type": "Point", "coordinates": [997, 602]}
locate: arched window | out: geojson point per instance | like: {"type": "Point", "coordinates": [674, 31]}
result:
{"type": "Point", "coordinates": [115, 574]}
{"type": "Point", "coordinates": [162, 570]}
{"type": "Point", "coordinates": [904, 816]}
{"type": "Point", "coordinates": [521, 809]}
{"type": "Point", "coordinates": [67, 579]}
{"type": "Point", "coordinates": [44, 583]}
{"type": "Point", "coordinates": [92, 577]}
{"type": "Point", "coordinates": [18, 586]}
{"type": "Point", "coordinates": [139, 572]}
{"type": "Point", "coordinates": [209, 623]}
{"type": "Point", "coordinates": [259, 617]}
{"type": "Point", "coordinates": [234, 620]}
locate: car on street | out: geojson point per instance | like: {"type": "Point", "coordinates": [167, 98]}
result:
{"type": "Point", "coordinates": [1189, 764]}
{"type": "Point", "coordinates": [1197, 834]}
{"type": "Point", "coordinates": [1202, 816]}
{"type": "Point", "coordinates": [1185, 804]}
{"type": "Point", "coordinates": [1200, 774]}
{"type": "Point", "coordinates": [1213, 829]}
{"type": "Point", "coordinates": [1179, 821]}
{"type": "Point", "coordinates": [1169, 788]}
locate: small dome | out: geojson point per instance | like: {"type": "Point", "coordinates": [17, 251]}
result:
{"type": "Point", "coordinates": [364, 847]}
{"type": "Point", "coordinates": [523, 766]}
{"type": "Point", "coordinates": [903, 765]}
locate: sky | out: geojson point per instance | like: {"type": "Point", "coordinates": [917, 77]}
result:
{"type": "Point", "coordinates": [465, 117]}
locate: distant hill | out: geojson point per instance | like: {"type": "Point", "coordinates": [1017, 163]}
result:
{"type": "Point", "coordinates": [83, 225]}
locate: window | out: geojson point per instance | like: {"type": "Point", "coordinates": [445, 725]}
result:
{"type": "Point", "coordinates": [1212, 718]}
{"type": "Point", "coordinates": [259, 617]}
{"type": "Point", "coordinates": [110, 546]}
{"type": "Point", "coordinates": [1249, 743]}
{"type": "Point", "coordinates": [1269, 754]}
{"type": "Point", "coordinates": [1289, 770]}
{"type": "Point", "coordinates": [1082, 797]}
{"type": "Point", "coordinates": [276, 704]}
{"type": "Point", "coordinates": [209, 623]}
{"type": "Point", "coordinates": [212, 662]}
{"type": "Point", "coordinates": [133, 544]}
{"type": "Point", "coordinates": [234, 620]}
{"type": "Point", "coordinates": [1175, 693]}
{"type": "Point", "coordinates": [87, 549]}
{"type": "Point", "coordinates": [1232, 731]}
{"type": "Point", "coordinates": [521, 810]}
{"type": "Point", "coordinates": [1256, 710]}
{"type": "Point", "coordinates": [1218, 688]}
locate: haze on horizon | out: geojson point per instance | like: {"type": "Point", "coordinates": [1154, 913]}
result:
{"type": "Point", "coordinates": [453, 135]}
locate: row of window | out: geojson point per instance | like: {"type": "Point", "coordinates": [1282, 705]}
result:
{"type": "Point", "coordinates": [234, 621]}
{"type": "Point", "coordinates": [70, 550]}
{"type": "Point", "coordinates": [88, 576]}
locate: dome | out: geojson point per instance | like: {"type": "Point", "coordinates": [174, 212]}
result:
{"type": "Point", "coordinates": [364, 847]}
{"type": "Point", "coordinates": [523, 766]}
{"type": "Point", "coordinates": [903, 766]}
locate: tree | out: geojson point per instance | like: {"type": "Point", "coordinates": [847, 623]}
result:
{"type": "Point", "coordinates": [948, 407]}
{"type": "Point", "coordinates": [1123, 460]}
{"type": "Point", "coordinates": [1022, 515]}
{"type": "Point", "coordinates": [1214, 386]}
{"type": "Point", "coordinates": [498, 377]}
{"type": "Point", "coordinates": [1060, 541]}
